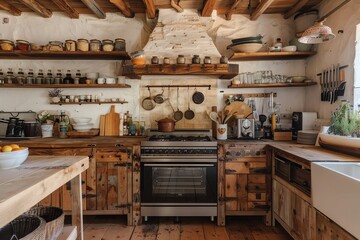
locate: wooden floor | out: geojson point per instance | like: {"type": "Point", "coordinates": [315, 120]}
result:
{"type": "Point", "coordinates": [238, 228]}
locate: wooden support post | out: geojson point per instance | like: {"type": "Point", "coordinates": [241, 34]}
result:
{"type": "Point", "coordinates": [208, 8]}
{"type": "Point", "coordinates": [232, 9]}
{"type": "Point", "coordinates": [76, 217]}
{"type": "Point", "coordinates": [65, 6]}
{"type": "Point", "coordinates": [176, 6]}
{"type": "Point", "coordinates": [37, 7]}
{"type": "Point", "coordinates": [95, 8]}
{"type": "Point", "coordinates": [125, 10]}
{"type": "Point", "coordinates": [295, 8]}
{"type": "Point", "coordinates": [11, 9]}
{"type": "Point", "coordinates": [260, 9]}
{"type": "Point", "coordinates": [150, 8]}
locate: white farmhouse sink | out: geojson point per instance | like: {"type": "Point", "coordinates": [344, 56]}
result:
{"type": "Point", "coordinates": [335, 191]}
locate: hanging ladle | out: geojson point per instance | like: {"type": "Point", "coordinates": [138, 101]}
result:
{"type": "Point", "coordinates": [189, 114]}
{"type": "Point", "coordinates": [178, 115]}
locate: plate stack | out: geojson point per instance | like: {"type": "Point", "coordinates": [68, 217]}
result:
{"type": "Point", "coordinates": [82, 124]}
{"type": "Point", "coordinates": [307, 137]}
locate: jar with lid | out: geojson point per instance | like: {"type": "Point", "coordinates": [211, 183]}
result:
{"type": "Point", "coordinates": [40, 77]}
{"type": "Point", "coordinates": [83, 45]}
{"type": "Point", "coordinates": [108, 45]}
{"type": "Point", "coordinates": [95, 45]}
{"type": "Point", "coordinates": [10, 78]}
{"type": "Point", "coordinates": [6, 45]}
{"type": "Point", "coordinates": [77, 77]}
{"type": "Point", "coordinates": [30, 77]}
{"type": "Point", "coordinates": [224, 60]}
{"type": "Point", "coordinates": [120, 44]}
{"type": "Point", "coordinates": [195, 59]}
{"type": "Point", "coordinates": [154, 60]}
{"type": "Point", "coordinates": [138, 57]}
{"type": "Point", "coordinates": [70, 45]}
{"type": "Point", "coordinates": [58, 78]}
{"type": "Point", "coordinates": [20, 78]}
{"type": "Point", "coordinates": [22, 45]}
{"type": "Point", "coordinates": [207, 60]}
{"type": "Point", "coordinates": [68, 79]}
{"type": "Point", "coordinates": [2, 79]}
{"type": "Point", "coordinates": [278, 43]}
{"type": "Point", "coordinates": [166, 60]}
{"type": "Point", "coordinates": [180, 59]}
{"type": "Point", "coordinates": [49, 78]}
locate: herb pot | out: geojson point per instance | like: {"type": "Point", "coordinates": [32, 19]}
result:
{"type": "Point", "coordinates": [166, 125]}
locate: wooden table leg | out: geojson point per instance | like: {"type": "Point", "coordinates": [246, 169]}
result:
{"type": "Point", "coordinates": [77, 216]}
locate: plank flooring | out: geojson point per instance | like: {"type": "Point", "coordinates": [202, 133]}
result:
{"type": "Point", "coordinates": [238, 228]}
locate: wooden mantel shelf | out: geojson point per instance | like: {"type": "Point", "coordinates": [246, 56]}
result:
{"type": "Point", "coordinates": [61, 55]}
{"type": "Point", "coordinates": [64, 86]}
{"type": "Point", "coordinates": [225, 71]}
{"type": "Point", "coordinates": [269, 85]}
{"type": "Point", "coordinates": [270, 56]}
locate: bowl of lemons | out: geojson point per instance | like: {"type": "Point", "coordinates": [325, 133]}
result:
{"type": "Point", "coordinates": [12, 156]}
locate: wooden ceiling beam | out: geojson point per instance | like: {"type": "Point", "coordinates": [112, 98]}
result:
{"type": "Point", "coordinates": [37, 7]}
{"type": "Point", "coordinates": [208, 8]}
{"type": "Point", "coordinates": [64, 5]}
{"type": "Point", "coordinates": [232, 9]}
{"type": "Point", "coordinates": [95, 8]}
{"type": "Point", "coordinates": [125, 10]}
{"type": "Point", "coordinates": [260, 9]}
{"type": "Point", "coordinates": [295, 8]}
{"type": "Point", "coordinates": [11, 9]}
{"type": "Point", "coordinates": [150, 8]}
{"type": "Point", "coordinates": [176, 6]}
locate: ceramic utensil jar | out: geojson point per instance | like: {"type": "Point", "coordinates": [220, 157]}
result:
{"type": "Point", "coordinates": [221, 131]}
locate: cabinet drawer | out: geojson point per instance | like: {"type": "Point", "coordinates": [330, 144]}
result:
{"type": "Point", "coordinates": [245, 167]}
{"type": "Point", "coordinates": [115, 156]}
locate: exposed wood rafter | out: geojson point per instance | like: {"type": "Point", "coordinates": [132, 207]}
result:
{"type": "Point", "coordinates": [11, 9]}
{"type": "Point", "coordinates": [126, 11]}
{"type": "Point", "coordinates": [260, 9]}
{"type": "Point", "coordinates": [95, 8]}
{"type": "Point", "coordinates": [150, 8]}
{"type": "Point", "coordinates": [295, 8]}
{"type": "Point", "coordinates": [208, 8]}
{"type": "Point", "coordinates": [37, 7]}
{"type": "Point", "coordinates": [232, 9]}
{"type": "Point", "coordinates": [64, 5]}
{"type": "Point", "coordinates": [176, 6]}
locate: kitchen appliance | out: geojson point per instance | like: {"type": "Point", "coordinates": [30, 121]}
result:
{"type": "Point", "coordinates": [179, 174]}
{"type": "Point", "coordinates": [302, 121]}
{"type": "Point", "coordinates": [244, 128]}
{"type": "Point", "coordinates": [18, 125]}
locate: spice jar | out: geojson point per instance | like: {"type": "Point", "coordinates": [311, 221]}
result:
{"type": "Point", "coordinates": [180, 59]}
{"type": "Point", "coordinates": [166, 60]}
{"type": "Point", "coordinates": [22, 45]}
{"type": "Point", "coordinates": [207, 60]}
{"type": "Point", "coordinates": [196, 59]}
{"type": "Point", "coordinates": [95, 45]}
{"type": "Point", "coordinates": [120, 44]}
{"type": "Point", "coordinates": [224, 60]}
{"type": "Point", "coordinates": [83, 45]}
{"type": "Point", "coordinates": [70, 45]}
{"type": "Point", "coordinates": [154, 60]}
{"type": "Point", "coordinates": [7, 45]}
{"type": "Point", "coordinates": [108, 45]}
{"type": "Point", "coordinates": [138, 57]}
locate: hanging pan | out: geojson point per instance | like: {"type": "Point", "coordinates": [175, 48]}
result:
{"type": "Point", "coordinates": [198, 97]}
{"type": "Point", "coordinates": [189, 114]}
{"type": "Point", "coordinates": [178, 115]}
{"type": "Point", "coordinates": [148, 103]}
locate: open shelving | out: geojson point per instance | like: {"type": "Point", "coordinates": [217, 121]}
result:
{"type": "Point", "coordinates": [256, 56]}
{"type": "Point", "coordinates": [65, 86]}
{"type": "Point", "coordinates": [270, 85]}
{"type": "Point", "coordinates": [84, 103]}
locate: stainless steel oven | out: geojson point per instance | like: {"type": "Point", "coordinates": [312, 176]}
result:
{"type": "Point", "coordinates": [179, 176]}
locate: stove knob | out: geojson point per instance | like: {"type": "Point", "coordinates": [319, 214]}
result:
{"type": "Point", "coordinates": [166, 151]}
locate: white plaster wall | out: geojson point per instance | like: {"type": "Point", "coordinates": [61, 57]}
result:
{"type": "Point", "coordinates": [339, 50]}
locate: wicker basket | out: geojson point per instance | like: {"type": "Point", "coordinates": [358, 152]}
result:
{"type": "Point", "coordinates": [24, 227]}
{"type": "Point", "coordinates": [54, 218]}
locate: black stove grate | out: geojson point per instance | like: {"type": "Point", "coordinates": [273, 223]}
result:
{"type": "Point", "coordinates": [173, 138]}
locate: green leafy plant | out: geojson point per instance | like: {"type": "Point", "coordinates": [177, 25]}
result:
{"type": "Point", "coordinates": [56, 92]}
{"type": "Point", "coordinates": [345, 121]}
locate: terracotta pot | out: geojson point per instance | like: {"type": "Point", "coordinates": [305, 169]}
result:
{"type": "Point", "coordinates": [166, 125]}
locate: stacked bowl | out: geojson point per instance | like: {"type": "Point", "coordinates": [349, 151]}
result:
{"type": "Point", "coordinates": [82, 124]}
{"type": "Point", "coordinates": [247, 44]}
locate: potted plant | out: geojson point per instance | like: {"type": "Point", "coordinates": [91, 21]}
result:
{"type": "Point", "coordinates": [46, 124]}
{"type": "Point", "coordinates": [55, 95]}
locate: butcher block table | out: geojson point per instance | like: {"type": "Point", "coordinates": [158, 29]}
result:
{"type": "Point", "coordinates": [23, 187]}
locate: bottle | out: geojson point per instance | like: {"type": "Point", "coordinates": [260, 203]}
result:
{"type": "Point", "coordinates": [77, 77]}
{"type": "Point", "coordinates": [125, 125]}
{"type": "Point", "coordinates": [2, 79]}
{"type": "Point", "coordinates": [40, 77]}
{"type": "Point", "coordinates": [278, 44]}
{"type": "Point", "coordinates": [30, 77]}
{"type": "Point", "coordinates": [63, 125]}
{"type": "Point", "coordinates": [49, 78]}
{"type": "Point", "coordinates": [68, 79]}
{"type": "Point", "coordinates": [20, 78]}
{"type": "Point", "coordinates": [9, 79]}
{"type": "Point", "coordinates": [180, 59]}
{"type": "Point", "coordinates": [58, 79]}
{"type": "Point", "coordinates": [121, 125]}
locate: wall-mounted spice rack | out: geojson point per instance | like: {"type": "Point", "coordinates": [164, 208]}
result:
{"type": "Point", "coordinates": [83, 103]}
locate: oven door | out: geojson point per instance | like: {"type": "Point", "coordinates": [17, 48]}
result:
{"type": "Point", "coordinates": [178, 183]}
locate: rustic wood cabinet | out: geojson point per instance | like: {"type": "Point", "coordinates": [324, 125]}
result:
{"type": "Point", "coordinates": [327, 229]}
{"type": "Point", "coordinates": [245, 176]}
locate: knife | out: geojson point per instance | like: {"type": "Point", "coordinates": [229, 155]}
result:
{"type": "Point", "coordinates": [322, 86]}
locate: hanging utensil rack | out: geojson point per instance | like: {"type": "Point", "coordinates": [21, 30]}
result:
{"type": "Point", "coordinates": [251, 95]}
{"type": "Point", "coordinates": [178, 86]}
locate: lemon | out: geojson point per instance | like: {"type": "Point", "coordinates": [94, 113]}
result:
{"type": "Point", "coordinates": [6, 148]}
{"type": "Point", "coordinates": [14, 146]}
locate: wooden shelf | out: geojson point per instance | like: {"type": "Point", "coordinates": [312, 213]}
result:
{"type": "Point", "coordinates": [269, 85]}
{"type": "Point", "coordinates": [64, 55]}
{"type": "Point", "coordinates": [270, 56]}
{"type": "Point", "coordinates": [83, 103]}
{"type": "Point", "coordinates": [225, 71]}
{"type": "Point", "coordinates": [65, 86]}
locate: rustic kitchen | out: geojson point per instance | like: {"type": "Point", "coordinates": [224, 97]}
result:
{"type": "Point", "coordinates": [179, 119]}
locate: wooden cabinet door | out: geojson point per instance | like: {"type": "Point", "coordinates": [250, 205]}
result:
{"type": "Point", "coordinates": [282, 203]}
{"type": "Point", "coordinates": [326, 229]}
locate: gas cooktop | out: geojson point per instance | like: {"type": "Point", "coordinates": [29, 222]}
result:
{"type": "Point", "coordinates": [167, 138]}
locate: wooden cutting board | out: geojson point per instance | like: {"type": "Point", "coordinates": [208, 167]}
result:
{"type": "Point", "coordinates": [102, 125]}
{"type": "Point", "coordinates": [112, 122]}
{"type": "Point", "coordinates": [238, 109]}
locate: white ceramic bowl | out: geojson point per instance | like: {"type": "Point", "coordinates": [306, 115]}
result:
{"type": "Point", "coordinates": [83, 127]}
{"type": "Point", "coordinates": [289, 49]}
{"type": "Point", "coordinates": [298, 79]}
{"type": "Point", "coordinates": [82, 120]}
{"type": "Point", "coordinates": [247, 47]}
{"type": "Point", "coordinates": [92, 75]}
{"type": "Point", "coordinates": [14, 159]}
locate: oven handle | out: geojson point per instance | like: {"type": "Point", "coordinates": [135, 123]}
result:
{"type": "Point", "coordinates": [177, 165]}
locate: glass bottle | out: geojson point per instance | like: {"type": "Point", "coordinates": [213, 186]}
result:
{"type": "Point", "coordinates": [2, 79]}
{"type": "Point", "coordinates": [77, 77]}
{"type": "Point", "coordinates": [49, 78]}
{"type": "Point", "coordinates": [30, 77]}
{"type": "Point", "coordinates": [58, 79]}
{"type": "Point", "coordinates": [63, 125]}
{"type": "Point", "coordinates": [68, 79]}
{"type": "Point", "coordinates": [20, 78]}
{"type": "Point", "coordinates": [40, 77]}
{"type": "Point", "coordinates": [10, 78]}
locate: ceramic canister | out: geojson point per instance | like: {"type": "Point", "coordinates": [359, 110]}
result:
{"type": "Point", "coordinates": [221, 131]}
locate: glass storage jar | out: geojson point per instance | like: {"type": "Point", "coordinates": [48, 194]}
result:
{"type": "Point", "coordinates": [207, 60]}
{"type": "Point", "coordinates": [83, 45]}
{"type": "Point", "coordinates": [6, 45]}
{"type": "Point", "coordinates": [120, 44]}
{"type": "Point", "coordinates": [196, 59]}
{"type": "Point", "coordinates": [154, 60]}
{"type": "Point", "coordinates": [95, 45]}
{"type": "Point", "coordinates": [180, 59]}
{"type": "Point", "coordinates": [138, 57]}
{"type": "Point", "coordinates": [22, 45]}
{"type": "Point", "coordinates": [108, 45]}
{"type": "Point", "coordinates": [70, 45]}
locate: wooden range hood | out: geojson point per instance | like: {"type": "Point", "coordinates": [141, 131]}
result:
{"type": "Point", "coordinates": [128, 8]}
